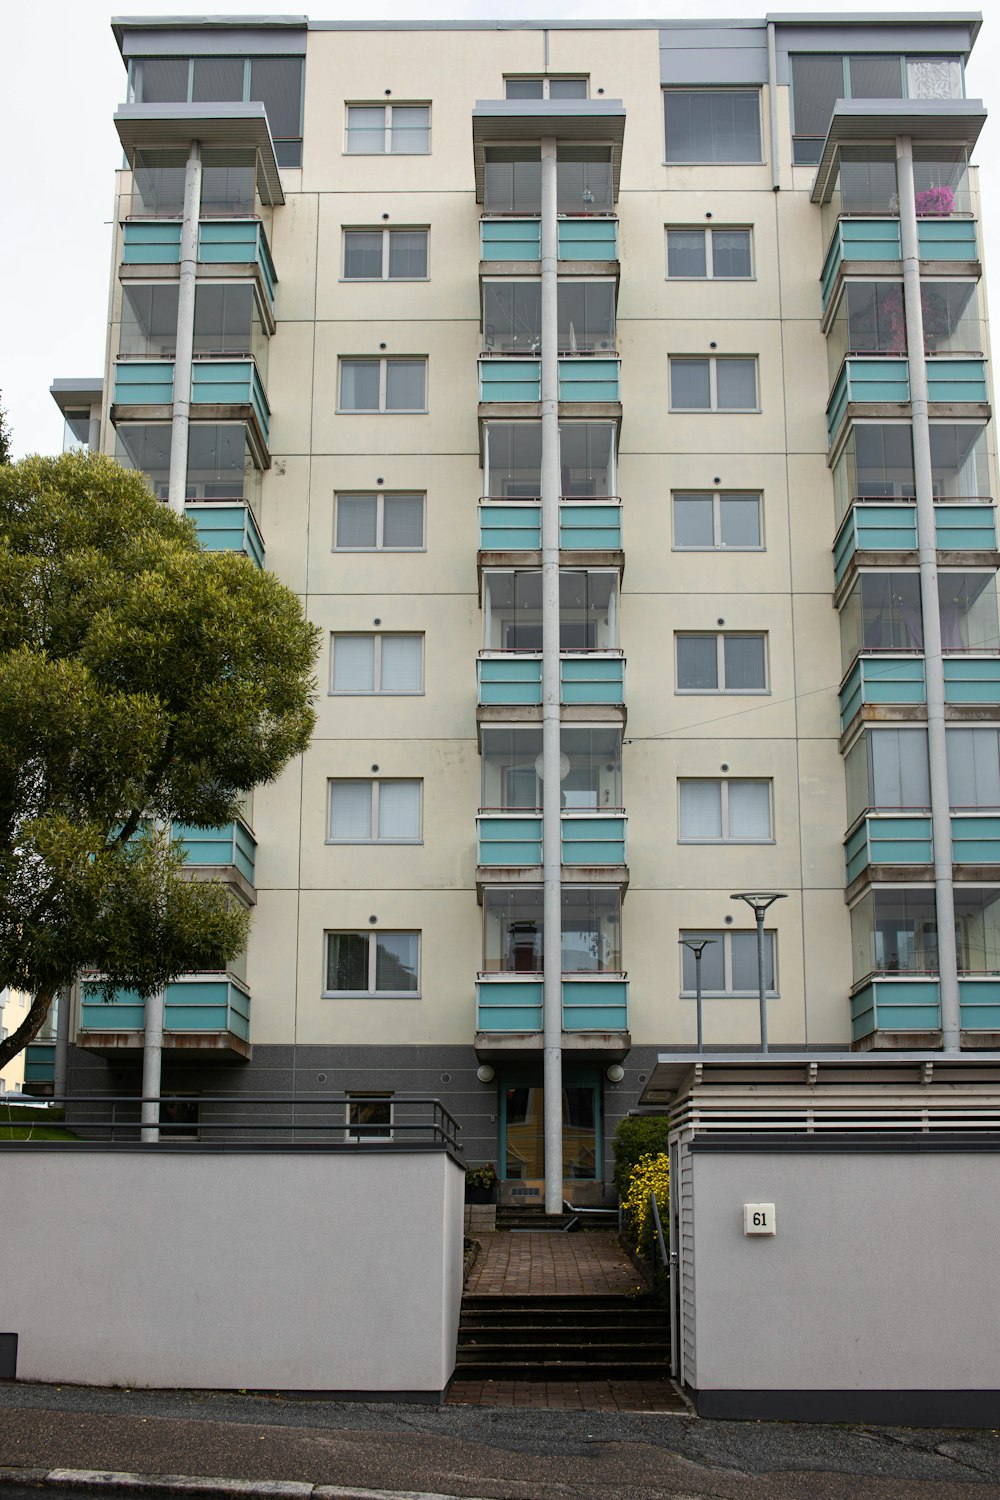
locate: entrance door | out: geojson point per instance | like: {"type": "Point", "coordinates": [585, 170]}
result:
{"type": "Point", "coordinates": [523, 1127]}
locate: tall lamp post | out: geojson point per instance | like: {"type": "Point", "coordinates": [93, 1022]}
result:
{"type": "Point", "coordinates": [759, 901]}
{"type": "Point", "coordinates": [697, 946]}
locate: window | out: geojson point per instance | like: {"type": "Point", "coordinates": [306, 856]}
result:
{"type": "Point", "coordinates": [383, 385]}
{"type": "Point", "coordinates": [723, 663]}
{"type": "Point", "coordinates": [712, 125]}
{"type": "Point", "coordinates": [728, 964]}
{"type": "Point", "coordinates": [725, 812]}
{"type": "Point", "coordinates": [820, 79]}
{"type": "Point", "coordinates": [385, 254]}
{"type": "Point", "coordinates": [379, 523]}
{"type": "Point", "coordinates": [974, 767]}
{"type": "Point", "coordinates": [712, 254]}
{"type": "Point", "coordinates": [388, 129]}
{"type": "Point", "coordinates": [713, 384]}
{"type": "Point", "coordinates": [370, 1117]}
{"type": "Point", "coordinates": [275, 81]}
{"type": "Point", "coordinates": [887, 768]}
{"type": "Point", "coordinates": [378, 664]}
{"type": "Point", "coordinates": [372, 963]}
{"type": "Point", "coordinates": [707, 522]}
{"type": "Point", "coordinates": [545, 88]}
{"type": "Point", "coordinates": [375, 812]}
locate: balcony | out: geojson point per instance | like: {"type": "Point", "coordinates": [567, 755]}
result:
{"type": "Point", "coordinates": [866, 245]}
{"type": "Point", "coordinates": [509, 677]}
{"type": "Point", "coordinates": [972, 680]}
{"type": "Point", "coordinates": [882, 683]}
{"type": "Point", "coordinates": [228, 126]}
{"type": "Point", "coordinates": [229, 246]}
{"type": "Point", "coordinates": [594, 1013]}
{"type": "Point", "coordinates": [587, 240]}
{"type": "Point", "coordinates": [870, 530]}
{"type": "Point", "coordinates": [39, 1065]}
{"type": "Point", "coordinates": [222, 390]}
{"type": "Point", "coordinates": [593, 845]}
{"type": "Point", "coordinates": [584, 380]}
{"type": "Point", "coordinates": [884, 381]}
{"type": "Point", "coordinates": [227, 853]}
{"type": "Point", "coordinates": [227, 528]}
{"type": "Point", "coordinates": [900, 1010]}
{"type": "Point", "coordinates": [591, 530]}
{"type": "Point", "coordinates": [900, 846]}
{"type": "Point", "coordinates": [201, 1013]}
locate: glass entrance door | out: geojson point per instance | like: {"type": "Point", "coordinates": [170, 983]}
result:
{"type": "Point", "coordinates": [524, 1129]}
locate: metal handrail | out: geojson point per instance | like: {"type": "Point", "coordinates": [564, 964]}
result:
{"type": "Point", "coordinates": [487, 500]}
{"type": "Point", "coordinates": [665, 1258]}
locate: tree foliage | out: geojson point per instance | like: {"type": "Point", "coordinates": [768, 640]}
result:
{"type": "Point", "coordinates": [637, 1136]}
{"type": "Point", "coordinates": [4, 437]}
{"type": "Point", "coordinates": [143, 682]}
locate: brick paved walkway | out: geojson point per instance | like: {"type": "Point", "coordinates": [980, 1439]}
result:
{"type": "Point", "coordinates": [570, 1395]}
{"type": "Point", "coordinates": [568, 1265]}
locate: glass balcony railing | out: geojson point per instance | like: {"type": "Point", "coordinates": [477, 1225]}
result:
{"type": "Point", "coordinates": [873, 527]}
{"type": "Point", "coordinates": [227, 528]}
{"type": "Point", "coordinates": [588, 838]}
{"type": "Point", "coordinates": [516, 678]}
{"type": "Point", "coordinates": [886, 380]}
{"type": "Point", "coordinates": [900, 1004]}
{"type": "Point", "coordinates": [871, 240]}
{"type": "Point", "coordinates": [582, 378]}
{"type": "Point", "coordinates": [214, 382]}
{"type": "Point", "coordinates": [513, 1003]}
{"type": "Point", "coordinates": [39, 1063]}
{"type": "Point", "coordinates": [588, 526]}
{"type": "Point", "coordinates": [220, 242]}
{"type": "Point", "coordinates": [231, 845]}
{"type": "Point", "coordinates": [884, 680]}
{"type": "Point", "coordinates": [205, 1005]}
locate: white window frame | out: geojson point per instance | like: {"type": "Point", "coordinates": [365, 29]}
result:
{"type": "Point", "coordinates": [713, 384]}
{"type": "Point", "coordinates": [717, 496]}
{"type": "Point", "coordinates": [379, 496]}
{"type": "Point", "coordinates": [371, 993]}
{"type": "Point", "coordinates": [545, 79]}
{"type": "Point", "coordinates": [709, 230]}
{"type": "Point", "coordinates": [720, 644]}
{"type": "Point", "coordinates": [385, 232]}
{"type": "Point", "coordinates": [383, 361]}
{"type": "Point", "coordinates": [357, 1130]}
{"type": "Point", "coordinates": [376, 691]}
{"type": "Point", "coordinates": [723, 782]}
{"type": "Point", "coordinates": [374, 789]}
{"type": "Point", "coordinates": [724, 935]}
{"type": "Point", "coordinates": [387, 127]}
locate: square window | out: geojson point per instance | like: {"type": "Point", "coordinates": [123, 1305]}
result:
{"type": "Point", "coordinates": [691, 384]}
{"type": "Point", "coordinates": [722, 663]}
{"type": "Point", "coordinates": [377, 664]}
{"type": "Point", "coordinates": [385, 254]}
{"type": "Point", "coordinates": [687, 252]}
{"type": "Point", "coordinates": [395, 129]}
{"type": "Point", "coordinates": [715, 383]}
{"type": "Point", "coordinates": [375, 812]}
{"type": "Point", "coordinates": [379, 523]}
{"type": "Point", "coordinates": [717, 521]}
{"type": "Point", "coordinates": [372, 963]}
{"type": "Point", "coordinates": [712, 126]}
{"type": "Point", "coordinates": [383, 385]}
{"type": "Point", "coordinates": [370, 1117]}
{"type": "Point", "coordinates": [698, 254]}
{"type": "Point", "coordinates": [724, 811]}
{"type": "Point", "coordinates": [737, 384]}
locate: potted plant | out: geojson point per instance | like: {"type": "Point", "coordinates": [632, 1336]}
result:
{"type": "Point", "coordinates": [481, 1184]}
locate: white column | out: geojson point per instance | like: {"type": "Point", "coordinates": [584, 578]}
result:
{"type": "Point", "coordinates": [61, 1058]}
{"type": "Point", "coordinates": [944, 890]}
{"type": "Point", "coordinates": [185, 331]}
{"type": "Point", "coordinates": [551, 830]}
{"type": "Point", "coordinates": [152, 1059]}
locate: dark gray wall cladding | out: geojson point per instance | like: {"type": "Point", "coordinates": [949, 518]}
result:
{"type": "Point", "coordinates": [730, 52]}
{"type": "Point", "coordinates": [956, 37]}
{"type": "Point", "coordinates": [198, 41]}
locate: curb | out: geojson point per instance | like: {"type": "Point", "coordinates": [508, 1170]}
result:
{"type": "Point", "coordinates": [103, 1482]}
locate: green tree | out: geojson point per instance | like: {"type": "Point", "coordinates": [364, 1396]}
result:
{"type": "Point", "coordinates": [143, 682]}
{"type": "Point", "coordinates": [4, 437]}
{"type": "Point", "coordinates": [637, 1136]}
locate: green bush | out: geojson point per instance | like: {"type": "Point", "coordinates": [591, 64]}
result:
{"type": "Point", "coordinates": [636, 1136]}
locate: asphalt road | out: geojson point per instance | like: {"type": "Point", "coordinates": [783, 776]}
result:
{"type": "Point", "coordinates": [488, 1453]}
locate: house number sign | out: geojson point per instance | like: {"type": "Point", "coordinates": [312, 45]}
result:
{"type": "Point", "coordinates": [758, 1218]}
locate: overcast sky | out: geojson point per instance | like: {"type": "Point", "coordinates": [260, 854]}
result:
{"type": "Point", "coordinates": [63, 76]}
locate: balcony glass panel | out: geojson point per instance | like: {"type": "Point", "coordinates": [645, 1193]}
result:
{"type": "Point", "coordinates": [146, 446]}
{"type": "Point", "coordinates": [864, 184]}
{"type": "Point", "coordinates": [161, 80]}
{"type": "Point", "coordinates": [158, 183]}
{"type": "Point", "coordinates": [227, 321]}
{"type": "Point", "coordinates": [586, 316]}
{"type": "Point", "coordinates": [220, 464]}
{"type": "Point", "coordinates": [148, 321]}
{"type": "Point", "coordinates": [870, 319]}
{"type": "Point", "coordinates": [588, 610]}
{"type": "Point", "coordinates": [881, 613]}
{"type": "Point", "coordinates": [973, 767]}
{"type": "Point", "coordinates": [887, 769]}
{"type": "Point", "coordinates": [591, 930]}
{"type": "Point", "coordinates": [894, 932]}
{"type": "Point", "coordinates": [876, 463]}
{"type": "Point", "coordinates": [589, 771]}
{"type": "Point", "coordinates": [512, 317]}
{"type": "Point", "coordinates": [584, 182]}
{"type": "Point", "coordinates": [76, 431]}
{"type": "Point", "coordinates": [513, 460]}
{"type": "Point", "coordinates": [968, 611]}
{"type": "Point", "coordinates": [952, 323]}
{"type": "Point", "coordinates": [513, 930]}
{"type": "Point", "coordinates": [228, 180]}
{"type": "Point", "coordinates": [977, 929]}
{"type": "Point", "coordinates": [940, 180]}
{"type": "Point", "coordinates": [961, 468]}
{"type": "Point", "coordinates": [512, 181]}
{"type": "Point", "coordinates": [587, 460]}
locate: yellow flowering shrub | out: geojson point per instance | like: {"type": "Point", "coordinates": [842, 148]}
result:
{"type": "Point", "coordinates": [651, 1174]}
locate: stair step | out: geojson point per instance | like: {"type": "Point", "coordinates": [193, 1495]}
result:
{"type": "Point", "coordinates": [554, 1337]}
{"type": "Point", "coordinates": [591, 1354]}
{"type": "Point", "coordinates": [552, 1370]}
{"type": "Point", "coordinates": [585, 1303]}
{"type": "Point", "coordinates": [560, 1326]}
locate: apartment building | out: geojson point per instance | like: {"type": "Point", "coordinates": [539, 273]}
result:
{"type": "Point", "coordinates": [615, 395]}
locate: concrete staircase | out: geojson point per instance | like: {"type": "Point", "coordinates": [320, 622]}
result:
{"type": "Point", "coordinates": [549, 1338]}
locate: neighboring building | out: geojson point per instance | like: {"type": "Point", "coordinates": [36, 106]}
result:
{"type": "Point", "coordinates": [657, 294]}
{"type": "Point", "coordinates": [13, 1009]}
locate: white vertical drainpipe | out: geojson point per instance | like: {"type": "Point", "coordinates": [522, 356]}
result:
{"type": "Point", "coordinates": [944, 889]}
{"type": "Point", "coordinates": [185, 331]}
{"type": "Point", "coordinates": [551, 830]}
{"type": "Point", "coordinates": [772, 96]}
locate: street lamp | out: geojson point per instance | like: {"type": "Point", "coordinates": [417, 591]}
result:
{"type": "Point", "coordinates": [759, 901]}
{"type": "Point", "coordinates": [697, 947]}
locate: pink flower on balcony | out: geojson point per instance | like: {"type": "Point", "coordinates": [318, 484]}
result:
{"type": "Point", "coordinates": [938, 200]}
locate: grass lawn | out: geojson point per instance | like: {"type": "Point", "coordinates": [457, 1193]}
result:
{"type": "Point", "coordinates": [19, 1123]}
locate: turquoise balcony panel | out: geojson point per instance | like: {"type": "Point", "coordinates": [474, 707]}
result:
{"type": "Point", "coordinates": [882, 679]}
{"type": "Point", "coordinates": [896, 1004]}
{"type": "Point", "coordinates": [595, 1004]}
{"type": "Point", "coordinates": [152, 242]}
{"type": "Point", "coordinates": [230, 382]}
{"type": "Point", "coordinates": [509, 1005]}
{"type": "Point", "coordinates": [874, 528]}
{"type": "Point", "coordinates": [510, 239]}
{"type": "Point", "coordinates": [141, 382]}
{"type": "Point", "coordinates": [506, 528]}
{"type": "Point", "coordinates": [955, 380]}
{"type": "Point", "coordinates": [975, 839]}
{"type": "Point", "coordinates": [871, 380]}
{"type": "Point", "coordinates": [588, 239]}
{"type": "Point", "coordinates": [227, 528]}
{"type": "Point", "coordinates": [884, 840]}
{"type": "Point", "coordinates": [196, 1003]}
{"type": "Point", "coordinates": [966, 527]}
{"type": "Point", "coordinates": [39, 1063]}
{"type": "Point", "coordinates": [971, 679]}
{"type": "Point", "coordinates": [233, 844]}
{"type": "Point", "coordinates": [859, 239]}
{"type": "Point", "coordinates": [510, 380]}
{"type": "Point", "coordinates": [510, 679]}
{"type": "Point", "coordinates": [979, 1003]}
{"type": "Point", "coordinates": [509, 840]}
{"type": "Point", "coordinates": [593, 839]}
{"type": "Point", "coordinates": [590, 527]}
{"type": "Point", "coordinates": [592, 678]}
{"type": "Point", "coordinates": [237, 242]}
{"type": "Point", "coordinates": [948, 239]}
{"type": "Point", "coordinates": [588, 379]}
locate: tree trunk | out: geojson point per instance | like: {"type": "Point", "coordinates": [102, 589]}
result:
{"type": "Point", "coordinates": [28, 1029]}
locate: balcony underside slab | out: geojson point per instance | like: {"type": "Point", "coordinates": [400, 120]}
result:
{"type": "Point", "coordinates": [201, 412]}
{"type": "Point", "coordinates": [915, 713]}
{"type": "Point", "coordinates": [900, 557]}
{"type": "Point", "coordinates": [523, 557]}
{"type": "Point", "coordinates": [225, 875]}
{"type": "Point", "coordinates": [569, 713]}
{"type": "Point", "coordinates": [616, 875]}
{"type": "Point", "coordinates": [497, 269]}
{"type": "Point", "coordinates": [865, 270]}
{"type": "Point", "coordinates": [214, 1046]}
{"type": "Point", "coordinates": [585, 1046]}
